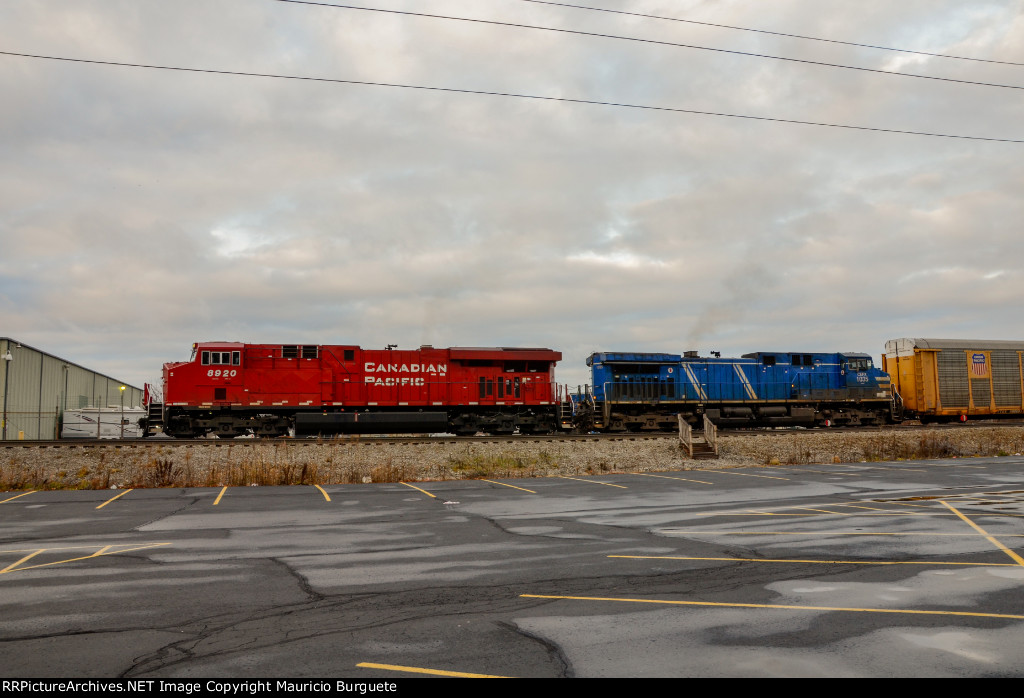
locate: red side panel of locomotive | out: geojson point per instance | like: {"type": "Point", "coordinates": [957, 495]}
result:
{"type": "Point", "coordinates": [225, 386]}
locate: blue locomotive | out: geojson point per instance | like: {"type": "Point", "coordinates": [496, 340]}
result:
{"type": "Point", "coordinates": [645, 391]}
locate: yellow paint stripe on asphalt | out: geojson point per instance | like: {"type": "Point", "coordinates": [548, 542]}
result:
{"type": "Point", "coordinates": [881, 512]}
{"type": "Point", "coordinates": [222, 491]}
{"type": "Point", "coordinates": [667, 477]}
{"type": "Point", "coordinates": [113, 498]}
{"type": "Point", "coordinates": [770, 477]}
{"type": "Point", "coordinates": [818, 562]}
{"type": "Point", "coordinates": [434, 672]}
{"type": "Point", "coordinates": [593, 482]}
{"type": "Point", "coordinates": [27, 557]}
{"type": "Point", "coordinates": [417, 488]}
{"type": "Point", "coordinates": [1013, 556]}
{"type": "Point", "coordinates": [883, 467]}
{"type": "Point", "coordinates": [65, 547]}
{"type": "Point", "coordinates": [23, 494]}
{"type": "Point", "coordinates": [326, 496]}
{"type": "Point", "coordinates": [495, 482]}
{"type": "Point", "coordinates": [100, 553]}
{"type": "Point", "coordinates": [777, 606]}
{"type": "Point", "coordinates": [748, 512]}
{"type": "Point", "coordinates": [821, 533]}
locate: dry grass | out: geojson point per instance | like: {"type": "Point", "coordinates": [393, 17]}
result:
{"type": "Point", "coordinates": [309, 462]}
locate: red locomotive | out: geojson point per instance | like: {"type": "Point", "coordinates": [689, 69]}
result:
{"type": "Point", "coordinates": [233, 389]}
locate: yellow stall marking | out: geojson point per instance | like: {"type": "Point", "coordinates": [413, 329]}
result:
{"type": "Point", "coordinates": [818, 562]}
{"type": "Point", "coordinates": [434, 672]}
{"type": "Point", "coordinates": [23, 494]}
{"type": "Point", "coordinates": [676, 478]}
{"type": "Point", "coordinates": [113, 498]}
{"type": "Point", "coordinates": [1013, 556]}
{"type": "Point", "coordinates": [594, 482]}
{"type": "Point", "coordinates": [495, 482]}
{"type": "Point", "coordinates": [326, 496]}
{"type": "Point", "coordinates": [768, 477]}
{"type": "Point", "coordinates": [819, 533]}
{"type": "Point", "coordinates": [222, 491]}
{"type": "Point", "coordinates": [777, 606]}
{"type": "Point", "coordinates": [417, 488]}
{"type": "Point", "coordinates": [103, 551]}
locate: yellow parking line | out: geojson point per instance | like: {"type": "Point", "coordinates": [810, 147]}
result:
{"type": "Point", "coordinates": [326, 496]}
{"type": "Point", "coordinates": [861, 506]}
{"type": "Point", "coordinates": [778, 606]}
{"type": "Point", "coordinates": [222, 491]}
{"type": "Point", "coordinates": [112, 499]}
{"type": "Point", "coordinates": [27, 557]}
{"type": "Point", "coordinates": [823, 533]}
{"type": "Point", "coordinates": [818, 562]}
{"type": "Point", "coordinates": [435, 672]}
{"type": "Point", "coordinates": [883, 467]}
{"type": "Point", "coordinates": [1013, 556]}
{"type": "Point", "coordinates": [770, 477]}
{"type": "Point", "coordinates": [102, 552]}
{"type": "Point", "coordinates": [23, 494]}
{"type": "Point", "coordinates": [417, 488]}
{"type": "Point", "coordinates": [495, 482]}
{"type": "Point", "coordinates": [593, 482]}
{"type": "Point", "coordinates": [837, 513]}
{"type": "Point", "coordinates": [667, 477]}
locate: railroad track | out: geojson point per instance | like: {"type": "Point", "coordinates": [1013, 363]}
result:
{"type": "Point", "coordinates": [534, 438]}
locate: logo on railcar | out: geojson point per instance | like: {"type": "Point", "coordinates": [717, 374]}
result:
{"type": "Point", "coordinates": [979, 365]}
{"type": "Point", "coordinates": [392, 374]}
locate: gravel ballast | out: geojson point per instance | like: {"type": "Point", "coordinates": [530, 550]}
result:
{"type": "Point", "coordinates": [238, 462]}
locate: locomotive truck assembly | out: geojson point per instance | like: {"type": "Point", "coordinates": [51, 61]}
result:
{"type": "Point", "coordinates": [233, 389]}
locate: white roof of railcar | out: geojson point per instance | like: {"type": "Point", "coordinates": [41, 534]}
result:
{"type": "Point", "coordinates": [908, 344]}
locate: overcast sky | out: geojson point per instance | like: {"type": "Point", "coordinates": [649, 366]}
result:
{"type": "Point", "coordinates": [142, 210]}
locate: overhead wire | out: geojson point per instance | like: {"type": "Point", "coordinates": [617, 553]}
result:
{"type": "Point", "coordinates": [773, 33]}
{"type": "Point", "coordinates": [505, 94]}
{"type": "Point", "coordinates": [674, 44]}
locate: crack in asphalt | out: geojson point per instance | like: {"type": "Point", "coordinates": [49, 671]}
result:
{"type": "Point", "coordinates": [553, 649]}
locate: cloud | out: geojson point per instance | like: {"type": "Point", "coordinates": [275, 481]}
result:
{"type": "Point", "coordinates": [143, 210]}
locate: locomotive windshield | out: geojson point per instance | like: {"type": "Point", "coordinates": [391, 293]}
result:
{"type": "Point", "coordinates": [860, 364]}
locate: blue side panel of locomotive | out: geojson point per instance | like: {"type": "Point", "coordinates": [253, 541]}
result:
{"type": "Point", "coordinates": [758, 377]}
{"type": "Point", "coordinates": [631, 376]}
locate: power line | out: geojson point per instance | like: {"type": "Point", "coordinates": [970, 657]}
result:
{"type": "Point", "coordinates": [651, 41]}
{"type": "Point", "coordinates": [765, 31]}
{"type": "Point", "coordinates": [506, 94]}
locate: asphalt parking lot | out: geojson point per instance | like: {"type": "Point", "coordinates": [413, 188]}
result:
{"type": "Point", "coordinates": [875, 569]}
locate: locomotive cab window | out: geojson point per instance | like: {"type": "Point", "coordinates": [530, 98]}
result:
{"type": "Point", "coordinates": [767, 360]}
{"type": "Point", "coordinates": [221, 358]}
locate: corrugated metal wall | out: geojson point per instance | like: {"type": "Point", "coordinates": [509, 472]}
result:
{"type": "Point", "coordinates": [36, 387]}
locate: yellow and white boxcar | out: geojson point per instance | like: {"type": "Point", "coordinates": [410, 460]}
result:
{"type": "Point", "coordinates": [948, 379]}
